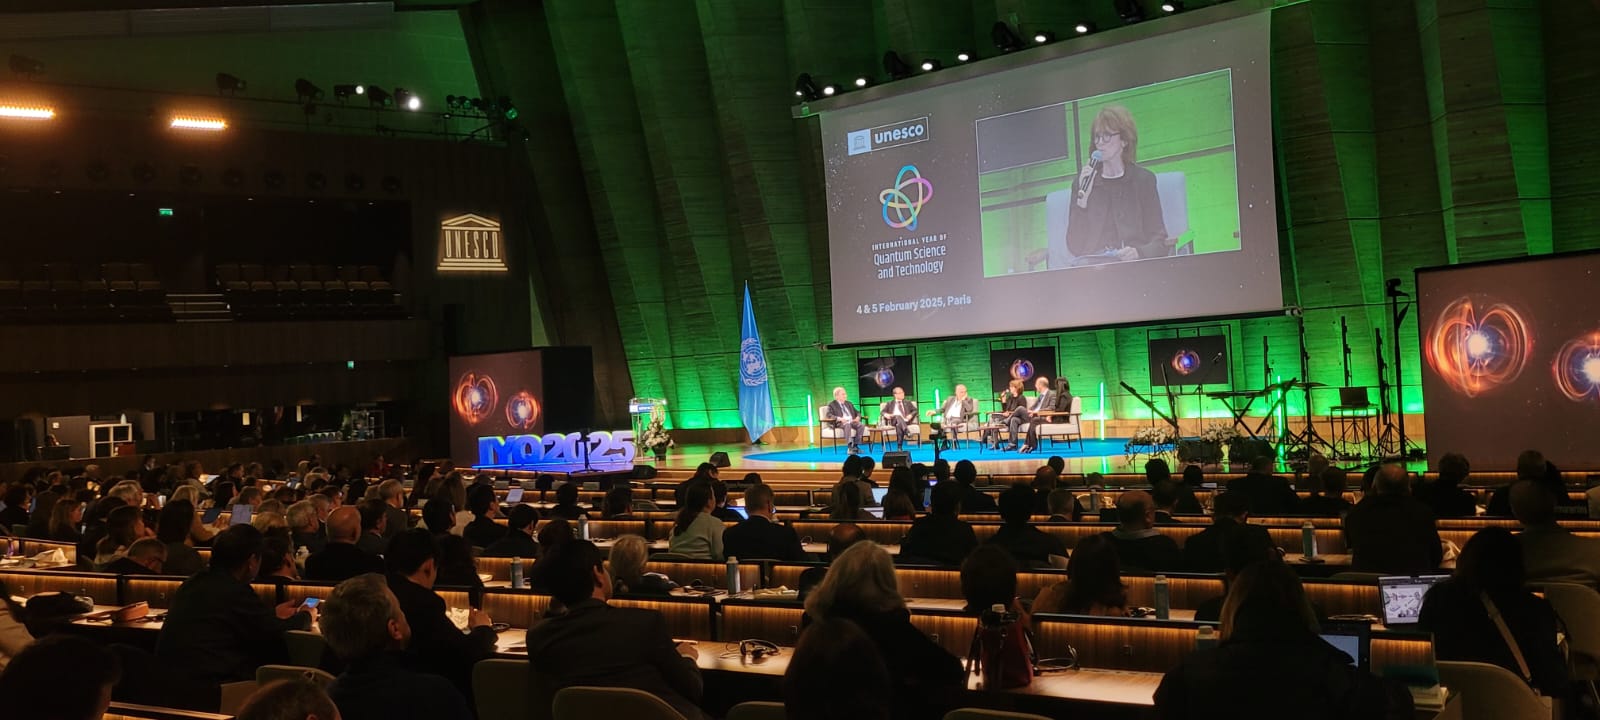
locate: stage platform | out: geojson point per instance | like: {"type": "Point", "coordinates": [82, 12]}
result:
{"type": "Point", "coordinates": [1102, 456]}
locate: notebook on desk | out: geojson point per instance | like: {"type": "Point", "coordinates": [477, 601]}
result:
{"type": "Point", "coordinates": [1402, 597]}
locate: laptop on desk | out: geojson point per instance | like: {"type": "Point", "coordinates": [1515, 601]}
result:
{"type": "Point", "coordinates": [1354, 639]}
{"type": "Point", "coordinates": [1402, 597]}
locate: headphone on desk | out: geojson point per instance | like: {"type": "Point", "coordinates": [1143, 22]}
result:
{"type": "Point", "coordinates": [756, 650]}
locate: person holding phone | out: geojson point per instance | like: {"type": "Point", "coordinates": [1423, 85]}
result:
{"type": "Point", "coordinates": [1116, 212]}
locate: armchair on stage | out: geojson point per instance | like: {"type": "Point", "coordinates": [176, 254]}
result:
{"type": "Point", "coordinates": [830, 430]}
{"type": "Point", "coordinates": [913, 426]}
{"type": "Point", "coordinates": [1059, 424]}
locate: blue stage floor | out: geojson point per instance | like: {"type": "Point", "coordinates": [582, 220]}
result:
{"type": "Point", "coordinates": [969, 451]}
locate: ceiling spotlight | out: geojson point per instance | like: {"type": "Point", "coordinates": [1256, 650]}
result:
{"type": "Point", "coordinates": [28, 66]}
{"type": "Point", "coordinates": [376, 97]}
{"type": "Point", "coordinates": [406, 99]}
{"type": "Point", "coordinates": [805, 88]}
{"type": "Point", "coordinates": [862, 81]}
{"type": "Point", "coordinates": [193, 122]}
{"type": "Point", "coordinates": [305, 90]}
{"type": "Point", "coordinates": [895, 66]}
{"type": "Point", "coordinates": [1130, 11]}
{"type": "Point", "coordinates": [829, 90]}
{"type": "Point", "coordinates": [1174, 6]}
{"type": "Point", "coordinates": [1044, 36]}
{"type": "Point", "coordinates": [229, 84]}
{"type": "Point", "coordinates": [963, 57]}
{"type": "Point", "coordinates": [1084, 28]}
{"type": "Point", "coordinates": [343, 92]}
{"type": "Point", "coordinates": [931, 65]}
{"type": "Point", "coordinates": [1005, 39]}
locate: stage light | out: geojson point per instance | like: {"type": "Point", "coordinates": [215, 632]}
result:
{"type": "Point", "coordinates": [451, 102]}
{"type": "Point", "coordinates": [17, 111]}
{"type": "Point", "coordinates": [931, 65]}
{"type": "Point", "coordinates": [963, 57]}
{"type": "Point", "coordinates": [343, 92]}
{"type": "Point", "coordinates": [508, 109]}
{"type": "Point", "coordinates": [1044, 36]}
{"type": "Point", "coordinates": [376, 97]}
{"type": "Point", "coordinates": [895, 66]}
{"type": "Point", "coordinates": [229, 84]}
{"type": "Point", "coordinates": [862, 81]}
{"type": "Point", "coordinates": [805, 88]}
{"type": "Point", "coordinates": [23, 65]}
{"type": "Point", "coordinates": [1172, 7]}
{"type": "Point", "coordinates": [1005, 40]}
{"type": "Point", "coordinates": [1084, 28]}
{"type": "Point", "coordinates": [305, 90]}
{"type": "Point", "coordinates": [1130, 11]}
{"type": "Point", "coordinates": [406, 99]}
{"type": "Point", "coordinates": [829, 90]}
{"type": "Point", "coordinates": [192, 122]}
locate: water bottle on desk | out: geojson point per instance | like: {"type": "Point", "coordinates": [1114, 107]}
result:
{"type": "Point", "coordinates": [1163, 598]}
{"type": "Point", "coordinates": [516, 573]}
{"type": "Point", "coordinates": [1206, 638]}
{"type": "Point", "coordinates": [1308, 541]}
{"type": "Point", "coordinates": [733, 576]}
{"type": "Point", "coordinates": [583, 527]}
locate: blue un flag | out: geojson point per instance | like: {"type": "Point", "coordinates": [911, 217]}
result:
{"type": "Point", "coordinates": [755, 403]}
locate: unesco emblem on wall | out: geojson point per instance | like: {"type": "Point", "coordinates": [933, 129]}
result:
{"type": "Point", "coordinates": [752, 363]}
{"type": "Point", "coordinates": [471, 243]}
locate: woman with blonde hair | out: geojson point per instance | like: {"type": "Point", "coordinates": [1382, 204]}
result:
{"type": "Point", "coordinates": [861, 587]}
{"type": "Point", "coordinates": [1116, 211]}
{"type": "Point", "coordinates": [269, 520]}
{"type": "Point", "coordinates": [628, 556]}
{"type": "Point", "coordinates": [1271, 661]}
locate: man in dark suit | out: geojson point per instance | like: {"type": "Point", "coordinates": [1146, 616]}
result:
{"type": "Point", "coordinates": [364, 625]}
{"type": "Point", "coordinates": [940, 537]}
{"type": "Point", "coordinates": [843, 415]}
{"type": "Point", "coordinates": [1059, 410]}
{"type": "Point", "coordinates": [374, 526]}
{"type": "Point", "coordinates": [436, 645]}
{"type": "Point", "coordinates": [518, 541]}
{"type": "Point", "coordinates": [1044, 401]}
{"type": "Point", "coordinates": [972, 499]}
{"type": "Point", "coordinates": [1206, 551]}
{"type": "Point", "coordinates": [146, 556]}
{"type": "Point", "coordinates": [898, 414]}
{"type": "Point", "coordinates": [761, 536]}
{"type": "Point", "coordinates": [597, 644]}
{"type": "Point", "coordinates": [1265, 493]}
{"type": "Point", "coordinates": [341, 559]}
{"type": "Point", "coordinates": [1391, 532]}
{"type": "Point", "coordinates": [218, 629]}
{"type": "Point", "coordinates": [1139, 545]}
{"type": "Point", "coordinates": [393, 494]}
{"type": "Point", "coordinates": [1030, 546]}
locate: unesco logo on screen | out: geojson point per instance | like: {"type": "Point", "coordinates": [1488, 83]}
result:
{"type": "Point", "coordinates": [882, 137]}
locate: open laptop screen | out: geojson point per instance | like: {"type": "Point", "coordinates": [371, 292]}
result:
{"type": "Point", "coordinates": [1402, 597]}
{"type": "Point", "coordinates": [1354, 639]}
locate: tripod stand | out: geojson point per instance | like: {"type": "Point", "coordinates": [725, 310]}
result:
{"type": "Point", "coordinates": [1394, 434]}
{"type": "Point", "coordinates": [1302, 443]}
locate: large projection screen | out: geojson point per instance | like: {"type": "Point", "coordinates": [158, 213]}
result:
{"type": "Point", "coordinates": [1511, 360]}
{"type": "Point", "coordinates": [956, 210]}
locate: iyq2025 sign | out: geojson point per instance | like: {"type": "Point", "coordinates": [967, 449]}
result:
{"type": "Point", "coordinates": [613, 447]}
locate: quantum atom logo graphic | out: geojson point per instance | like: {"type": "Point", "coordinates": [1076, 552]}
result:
{"type": "Point", "coordinates": [903, 202]}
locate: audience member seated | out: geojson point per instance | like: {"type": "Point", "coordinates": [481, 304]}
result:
{"type": "Point", "coordinates": [1241, 548]}
{"type": "Point", "coordinates": [123, 526]}
{"type": "Point", "coordinates": [438, 516]}
{"type": "Point", "coordinates": [1490, 572]}
{"type": "Point", "coordinates": [1391, 532]}
{"type": "Point", "coordinates": [518, 541]}
{"type": "Point", "coordinates": [1164, 495]}
{"type": "Point", "coordinates": [972, 499]}
{"type": "Point", "coordinates": [836, 673]}
{"type": "Point", "coordinates": [761, 536]}
{"type": "Point", "coordinates": [1157, 472]}
{"type": "Point", "coordinates": [697, 534]}
{"type": "Point", "coordinates": [374, 526]}
{"type": "Point", "coordinates": [218, 629]}
{"type": "Point", "coordinates": [146, 556]}
{"type": "Point", "coordinates": [989, 577]}
{"type": "Point", "coordinates": [1265, 493]}
{"type": "Point", "coordinates": [1063, 506]}
{"type": "Point", "coordinates": [1531, 466]}
{"type": "Point", "coordinates": [457, 567]}
{"type": "Point", "coordinates": [1028, 545]}
{"type": "Point", "coordinates": [18, 496]}
{"type": "Point", "coordinates": [436, 645]}
{"type": "Point", "coordinates": [60, 677]}
{"type": "Point", "coordinates": [628, 556]}
{"type": "Point", "coordinates": [395, 520]}
{"type": "Point", "coordinates": [849, 503]}
{"type": "Point", "coordinates": [1444, 495]}
{"type": "Point", "coordinates": [1271, 663]}
{"type": "Point", "coordinates": [175, 529]}
{"type": "Point", "coordinates": [44, 504]}
{"type": "Point", "coordinates": [1203, 552]}
{"type": "Point", "coordinates": [14, 635]}
{"type": "Point", "coordinates": [277, 559]}
{"type": "Point", "coordinates": [618, 504]}
{"type": "Point", "coordinates": [861, 587]}
{"type": "Point", "coordinates": [567, 507]}
{"type": "Point", "coordinates": [340, 559]}
{"type": "Point", "coordinates": [306, 526]}
{"type": "Point", "coordinates": [595, 644]}
{"type": "Point", "coordinates": [65, 517]}
{"type": "Point", "coordinates": [483, 531]}
{"type": "Point", "coordinates": [297, 699]}
{"type": "Point", "coordinates": [1093, 586]}
{"type": "Point", "coordinates": [940, 537]}
{"type": "Point", "coordinates": [897, 505]}
{"type": "Point", "coordinates": [1550, 552]}
{"type": "Point", "coordinates": [1139, 545]}
{"type": "Point", "coordinates": [850, 474]}
{"type": "Point", "coordinates": [840, 538]}
{"type": "Point", "coordinates": [1327, 495]}
{"type": "Point", "coordinates": [719, 503]}
{"type": "Point", "coordinates": [364, 625]}
{"type": "Point", "coordinates": [704, 473]}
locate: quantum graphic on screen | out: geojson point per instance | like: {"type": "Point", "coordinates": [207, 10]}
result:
{"type": "Point", "coordinates": [1131, 183]}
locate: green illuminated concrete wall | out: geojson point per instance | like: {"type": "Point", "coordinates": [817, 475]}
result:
{"type": "Point", "coordinates": [1408, 133]}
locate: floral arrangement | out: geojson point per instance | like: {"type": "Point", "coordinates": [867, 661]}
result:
{"type": "Point", "coordinates": [656, 436]}
{"type": "Point", "coordinates": [1219, 433]}
{"type": "Point", "coordinates": [1153, 441]}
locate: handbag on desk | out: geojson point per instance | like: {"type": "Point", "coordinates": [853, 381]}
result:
{"type": "Point", "coordinates": [1002, 653]}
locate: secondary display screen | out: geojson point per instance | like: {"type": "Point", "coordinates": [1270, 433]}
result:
{"type": "Point", "coordinates": [1126, 184]}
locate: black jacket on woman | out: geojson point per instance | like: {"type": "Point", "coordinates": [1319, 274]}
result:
{"type": "Point", "coordinates": [925, 675]}
{"type": "Point", "coordinates": [1462, 631]}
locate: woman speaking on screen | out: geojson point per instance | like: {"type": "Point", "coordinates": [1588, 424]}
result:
{"type": "Point", "coordinates": [1115, 213]}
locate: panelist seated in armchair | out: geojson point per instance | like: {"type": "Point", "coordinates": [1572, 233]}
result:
{"type": "Point", "coordinates": [1058, 417]}
{"type": "Point", "coordinates": [846, 418]}
{"type": "Point", "coordinates": [899, 415]}
{"type": "Point", "coordinates": [1011, 400]}
{"type": "Point", "coordinates": [956, 413]}
{"type": "Point", "coordinates": [1027, 414]}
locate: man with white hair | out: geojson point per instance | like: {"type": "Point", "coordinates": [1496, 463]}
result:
{"type": "Point", "coordinates": [844, 415]}
{"type": "Point", "coordinates": [1391, 532]}
{"type": "Point", "coordinates": [956, 412]}
{"type": "Point", "coordinates": [305, 523]}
